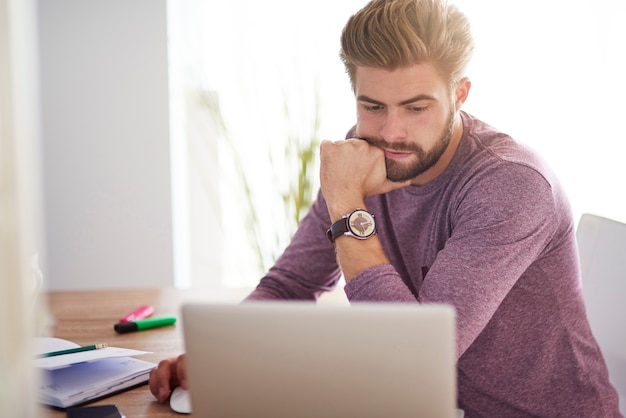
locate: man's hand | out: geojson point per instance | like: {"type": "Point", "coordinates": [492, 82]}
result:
{"type": "Point", "coordinates": [350, 171]}
{"type": "Point", "coordinates": [168, 374]}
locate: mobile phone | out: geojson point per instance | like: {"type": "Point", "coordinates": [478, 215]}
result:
{"type": "Point", "coordinates": [98, 411]}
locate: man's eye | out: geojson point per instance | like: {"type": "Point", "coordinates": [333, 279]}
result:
{"type": "Point", "coordinates": [418, 109]}
{"type": "Point", "coordinates": [372, 108]}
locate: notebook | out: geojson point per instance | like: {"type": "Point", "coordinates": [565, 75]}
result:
{"type": "Point", "coordinates": [78, 378]}
{"type": "Point", "coordinates": [297, 359]}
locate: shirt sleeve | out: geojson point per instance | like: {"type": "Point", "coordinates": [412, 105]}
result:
{"type": "Point", "coordinates": [308, 266]}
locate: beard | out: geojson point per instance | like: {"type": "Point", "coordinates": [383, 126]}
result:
{"type": "Point", "coordinates": [399, 171]}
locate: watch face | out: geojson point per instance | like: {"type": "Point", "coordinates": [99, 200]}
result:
{"type": "Point", "coordinates": [361, 224]}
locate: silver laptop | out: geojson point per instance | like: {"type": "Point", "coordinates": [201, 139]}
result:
{"type": "Point", "coordinates": [296, 359]}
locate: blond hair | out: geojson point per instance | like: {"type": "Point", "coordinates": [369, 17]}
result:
{"type": "Point", "coordinates": [392, 34]}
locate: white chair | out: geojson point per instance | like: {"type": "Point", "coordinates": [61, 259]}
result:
{"type": "Point", "coordinates": [602, 247]}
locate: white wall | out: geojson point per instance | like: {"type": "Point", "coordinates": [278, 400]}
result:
{"type": "Point", "coordinates": [106, 151]}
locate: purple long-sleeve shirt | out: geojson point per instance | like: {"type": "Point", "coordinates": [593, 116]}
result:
{"type": "Point", "coordinates": [493, 236]}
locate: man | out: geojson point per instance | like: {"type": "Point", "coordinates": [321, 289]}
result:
{"type": "Point", "coordinates": [427, 204]}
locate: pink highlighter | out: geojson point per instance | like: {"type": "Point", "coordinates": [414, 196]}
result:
{"type": "Point", "coordinates": [141, 312]}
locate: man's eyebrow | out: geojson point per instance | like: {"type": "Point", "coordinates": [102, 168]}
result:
{"type": "Point", "coordinates": [363, 98]}
{"type": "Point", "coordinates": [418, 98]}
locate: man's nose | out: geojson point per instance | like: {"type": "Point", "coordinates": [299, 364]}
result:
{"type": "Point", "coordinates": [394, 127]}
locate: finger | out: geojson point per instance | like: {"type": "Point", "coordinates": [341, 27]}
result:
{"type": "Point", "coordinates": [181, 371]}
{"type": "Point", "coordinates": [163, 375]}
{"type": "Point", "coordinates": [156, 387]}
{"type": "Point", "coordinates": [152, 382]}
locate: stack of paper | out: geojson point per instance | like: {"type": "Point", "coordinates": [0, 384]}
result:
{"type": "Point", "coordinates": [77, 378]}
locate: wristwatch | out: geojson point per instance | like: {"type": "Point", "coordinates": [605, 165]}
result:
{"type": "Point", "coordinates": [359, 224]}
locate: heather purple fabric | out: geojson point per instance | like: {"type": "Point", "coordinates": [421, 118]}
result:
{"type": "Point", "coordinates": [494, 237]}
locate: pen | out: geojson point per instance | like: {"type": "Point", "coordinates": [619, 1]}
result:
{"type": "Point", "coordinates": [141, 324]}
{"type": "Point", "coordinates": [73, 350]}
{"type": "Point", "coordinates": [144, 311]}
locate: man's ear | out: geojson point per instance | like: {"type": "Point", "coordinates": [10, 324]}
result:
{"type": "Point", "coordinates": [462, 91]}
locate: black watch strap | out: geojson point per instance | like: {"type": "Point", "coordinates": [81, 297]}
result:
{"type": "Point", "coordinates": [337, 229]}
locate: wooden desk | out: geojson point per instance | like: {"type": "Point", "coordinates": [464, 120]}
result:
{"type": "Point", "coordinates": [87, 317]}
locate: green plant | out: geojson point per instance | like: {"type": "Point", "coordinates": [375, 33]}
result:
{"type": "Point", "coordinates": [299, 161]}
{"type": "Point", "coordinates": [302, 152]}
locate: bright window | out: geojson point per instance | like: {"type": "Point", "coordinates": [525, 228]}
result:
{"type": "Point", "coordinates": [548, 72]}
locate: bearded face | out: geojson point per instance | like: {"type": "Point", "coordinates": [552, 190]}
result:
{"type": "Point", "coordinates": [409, 168]}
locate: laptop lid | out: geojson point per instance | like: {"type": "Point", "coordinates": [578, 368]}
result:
{"type": "Point", "coordinates": [296, 359]}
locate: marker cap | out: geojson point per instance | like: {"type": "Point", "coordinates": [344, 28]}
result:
{"type": "Point", "coordinates": [142, 324]}
{"type": "Point", "coordinates": [144, 311]}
